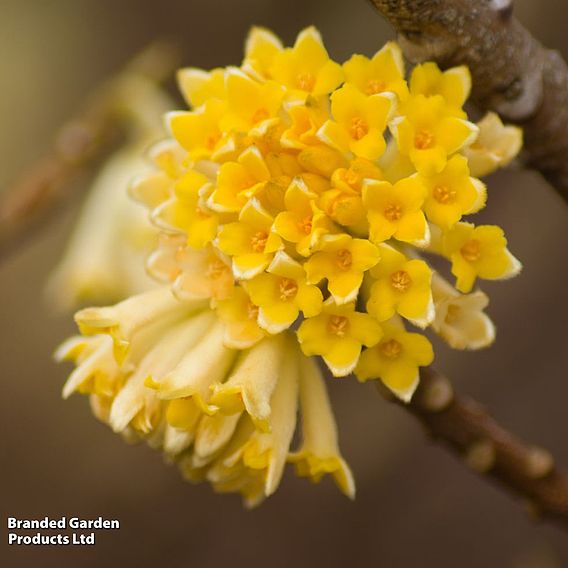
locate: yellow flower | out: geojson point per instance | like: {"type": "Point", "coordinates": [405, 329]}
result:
{"type": "Point", "coordinates": [261, 47]}
{"type": "Point", "coordinates": [251, 106]}
{"type": "Point", "coordinates": [343, 203]}
{"type": "Point", "coordinates": [253, 461]}
{"type": "Point", "coordinates": [342, 260]}
{"type": "Point", "coordinates": [123, 320]}
{"type": "Point", "coordinates": [478, 252]}
{"type": "Point", "coordinates": [189, 381]}
{"type": "Point", "coordinates": [303, 223]}
{"type": "Point", "coordinates": [428, 132]}
{"type": "Point", "coordinates": [238, 181]}
{"type": "Point", "coordinates": [199, 131]}
{"type": "Point", "coordinates": [187, 210]}
{"type": "Point", "coordinates": [460, 319]}
{"type": "Point", "coordinates": [306, 68]}
{"type": "Point", "coordinates": [359, 122]}
{"type": "Point", "coordinates": [384, 72]}
{"type": "Point", "coordinates": [240, 317]}
{"type": "Point", "coordinates": [193, 274]}
{"type": "Point", "coordinates": [251, 384]}
{"type": "Point", "coordinates": [281, 293]}
{"type": "Point", "coordinates": [452, 193]}
{"type": "Point", "coordinates": [495, 147]}
{"type": "Point", "coordinates": [306, 119]}
{"type": "Point", "coordinates": [395, 360]}
{"type": "Point", "coordinates": [338, 334]}
{"type": "Point", "coordinates": [96, 372]}
{"type": "Point", "coordinates": [319, 453]}
{"type": "Point", "coordinates": [396, 211]}
{"type": "Point", "coordinates": [454, 84]}
{"type": "Point", "coordinates": [321, 160]}
{"type": "Point", "coordinates": [401, 286]}
{"type": "Point", "coordinates": [198, 86]}
{"type": "Point", "coordinates": [250, 241]}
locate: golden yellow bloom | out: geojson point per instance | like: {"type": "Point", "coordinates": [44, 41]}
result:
{"type": "Point", "coordinates": [478, 252]}
{"type": "Point", "coordinates": [454, 84]}
{"type": "Point", "coordinates": [358, 122]}
{"type": "Point", "coordinates": [187, 210]}
{"type": "Point", "coordinates": [198, 86]}
{"type": "Point", "coordinates": [395, 359]}
{"type": "Point", "coordinates": [384, 72]}
{"type": "Point", "coordinates": [281, 293]}
{"type": "Point", "coordinates": [238, 181]}
{"type": "Point", "coordinates": [282, 203]}
{"type": "Point", "coordinates": [240, 317]}
{"type": "Point", "coordinates": [250, 104]}
{"type": "Point", "coordinates": [428, 132]}
{"type": "Point", "coordinates": [495, 147]}
{"type": "Point", "coordinates": [198, 131]}
{"type": "Point", "coordinates": [402, 286]}
{"type": "Point", "coordinates": [338, 334]}
{"type": "Point", "coordinates": [342, 260]}
{"type": "Point", "coordinates": [306, 68]}
{"type": "Point", "coordinates": [452, 193]}
{"type": "Point", "coordinates": [319, 453]}
{"type": "Point", "coordinates": [303, 223]}
{"type": "Point", "coordinates": [396, 211]}
{"type": "Point", "coordinates": [250, 241]}
{"type": "Point", "coordinates": [261, 47]}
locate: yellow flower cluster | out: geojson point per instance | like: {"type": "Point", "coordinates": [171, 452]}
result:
{"type": "Point", "coordinates": [294, 200]}
{"type": "Point", "coordinates": [158, 369]}
{"type": "Point", "coordinates": [293, 180]}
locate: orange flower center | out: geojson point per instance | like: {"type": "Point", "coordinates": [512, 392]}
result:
{"type": "Point", "coordinates": [258, 241]}
{"type": "Point", "coordinates": [444, 195]}
{"type": "Point", "coordinates": [305, 81]}
{"type": "Point", "coordinates": [305, 225]}
{"type": "Point", "coordinates": [391, 349]}
{"type": "Point", "coordinates": [358, 128]}
{"type": "Point", "coordinates": [288, 289]}
{"type": "Point", "coordinates": [424, 140]}
{"type": "Point", "coordinates": [452, 314]}
{"type": "Point", "coordinates": [338, 325]}
{"type": "Point", "coordinates": [216, 268]}
{"type": "Point", "coordinates": [252, 311]}
{"type": "Point", "coordinates": [211, 141]}
{"type": "Point", "coordinates": [343, 259]}
{"type": "Point", "coordinates": [375, 86]}
{"type": "Point", "coordinates": [471, 251]}
{"type": "Point", "coordinates": [201, 213]}
{"type": "Point", "coordinates": [393, 212]}
{"type": "Point", "coordinates": [400, 280]}
{"type": "Point", "coordinates": [352, 178]}
{"type": "Point", "coordinates": [260, 115]}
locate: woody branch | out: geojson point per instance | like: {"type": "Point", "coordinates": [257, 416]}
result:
{"type": "Point", "coordinates": [513, 74]}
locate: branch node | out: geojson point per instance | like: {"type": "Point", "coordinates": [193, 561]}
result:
{"type": "Point", "coordinates": [481, 456]}
{"type": "Point", "coordinates": [539, 463]}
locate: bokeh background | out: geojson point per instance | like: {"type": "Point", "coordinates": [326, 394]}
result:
{"type": "Point", "coordinates": [416, 505]}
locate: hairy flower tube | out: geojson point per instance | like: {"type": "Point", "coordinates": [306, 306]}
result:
{"type": "Point", "coordinates": [298, 202]}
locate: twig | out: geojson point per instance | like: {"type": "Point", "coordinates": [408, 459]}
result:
{"type": "Point", "coordinates": [79, 143]}
{"type": "Point", "coordinates": [513, 74]}
{"type": "Point", "coordinates": [489, 449]}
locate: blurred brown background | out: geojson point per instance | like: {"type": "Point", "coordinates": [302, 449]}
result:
{"type": "Point", "coordinates": [416, 506]}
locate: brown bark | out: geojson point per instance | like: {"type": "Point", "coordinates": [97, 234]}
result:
{"type": "Point", "coordinates": [467, 429]}
{"type": "Point", "coordinates": [513, 74]}
{"type": "Point", "coordinates": [80, 142]}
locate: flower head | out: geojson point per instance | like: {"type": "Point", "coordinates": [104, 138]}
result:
{"type": "Point", "coordinates": [292, 226]}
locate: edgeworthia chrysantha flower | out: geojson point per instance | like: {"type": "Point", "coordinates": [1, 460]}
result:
{"type": "Point", "coordinates": [295, 199]}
